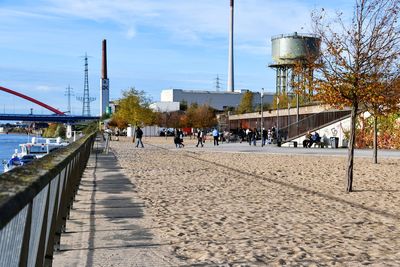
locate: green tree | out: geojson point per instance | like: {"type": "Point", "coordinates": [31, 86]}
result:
{"type": "Point", "coordinates": [183, 105]}
{"type": "Point", "coordinates": [246, 104]}
{"type": "Point", "coordinates": [134, 109]}
{"type": "Point", "coordinates": [60, 131]}
{"type": "Point", "coordinates": [50, 131]}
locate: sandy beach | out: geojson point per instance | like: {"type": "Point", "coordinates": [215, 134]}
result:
{"type": "Point", "coordinates": [247, 209]}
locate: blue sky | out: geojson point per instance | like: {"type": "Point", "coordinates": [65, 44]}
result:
{"type": "Point", "coordinates": [152, 45]}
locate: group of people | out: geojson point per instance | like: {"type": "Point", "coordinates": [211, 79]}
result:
{"type": "Point", "coordinates": [266, 136]}
{"type": "Point", "coordinates": [251, 136]}
{"type": "Point", "coordinates": [311, 139]}
{"type": "Point", "coordinates": [178, 138]}
{"type": "Point", "coordinates": [201, 137]}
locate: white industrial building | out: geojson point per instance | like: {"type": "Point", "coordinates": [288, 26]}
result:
{"type": "Point", "coordinates": [165, 106]}
{"type": "Point", "coordinates": [217, 99]}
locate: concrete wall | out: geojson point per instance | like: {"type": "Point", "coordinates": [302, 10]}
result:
{"type": "Point", "coordinates": [334, 130]}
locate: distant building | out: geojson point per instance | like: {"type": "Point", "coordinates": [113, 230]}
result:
{"type": "Point", "coordinates": [165, 106]}
{"type": "Point", "coordinates": [113, 104]}
{"type": "Point", "coordinates": [217, 100]}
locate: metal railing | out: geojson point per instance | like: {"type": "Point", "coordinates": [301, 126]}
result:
{"type": "Point", "coordinates": [312, 123]}
{"type": "Point", "coordinates": [35, 201]}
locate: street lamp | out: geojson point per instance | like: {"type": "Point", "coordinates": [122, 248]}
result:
{"type": "Point", "coordinates": [278, 142]}
{"type": "Point", "coordinates": [277, 113]}
{"type": "Point", "coordinates": [262, 111]}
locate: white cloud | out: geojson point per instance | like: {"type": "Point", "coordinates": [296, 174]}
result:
{"type": "Point", "coordinates": [44, 88]}
{"type": "Point", "coordinates": [131, 33]}
{"type": "Point", "coordinates": [191, 19]}
{"type": "Point", "coordinates": [186, 21]}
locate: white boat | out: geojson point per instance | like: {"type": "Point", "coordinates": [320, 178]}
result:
{"type": "Point", "coordinates": [37, 148]}
{"type": "Point", "coordinates": [41, 146]}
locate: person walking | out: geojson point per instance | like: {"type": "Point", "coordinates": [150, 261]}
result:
{"type": "Point", "coordinates": [254, 136]}
{"type": "Point", "coordinates": [178, 139]}
{"type": "Point", "coordinates": [215, 134]}
{"type": "Point", "coordinates": [241, 135]}
{"type": "Point", "coordinates": [264, 135]}
{"type": "Point", "coordinates": [249, 136]}
{"type": "Point", "coordinates": [274, 134]}
{"type": "Point", "coordinates": [181, 138]}
{"type": "Point", "coordinates": [139, 135]}
{"type": "Point", "coordinates": [269, 134]}
{"type": "Point", "coordinates": [199, 138]}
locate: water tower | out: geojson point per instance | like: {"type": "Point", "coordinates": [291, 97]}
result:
{"type": "Point", "coordinates": [288, 51]}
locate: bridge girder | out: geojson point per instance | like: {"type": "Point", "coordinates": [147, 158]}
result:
{"type": "Point", "coordinates": [56, 111]}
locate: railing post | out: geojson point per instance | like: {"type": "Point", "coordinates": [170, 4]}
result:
{"type": "Point", "coordinates": [23, 258]}
{"type": "Point", "coordinates": [42, 239]}
{"type": "Point", "coordinates": [61, 216]}
{"type": "Point", "coordinates": [48, 259]}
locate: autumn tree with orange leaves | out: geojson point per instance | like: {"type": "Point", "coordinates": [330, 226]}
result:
{"type": "Point", "coordinates": [359, 62]}
{"type": "Point", "coordinates": [199, 116]}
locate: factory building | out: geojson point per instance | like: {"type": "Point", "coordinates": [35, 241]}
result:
{"type": "Point", "coordinates": [215, 99]}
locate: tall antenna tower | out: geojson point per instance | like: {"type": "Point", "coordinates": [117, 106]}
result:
{"type": "Point", "coordinates": [69, 91]}
{"type": "Point", "coordinates": [86, 99]}
{"type": "Point", "coordinates": [217, 84]}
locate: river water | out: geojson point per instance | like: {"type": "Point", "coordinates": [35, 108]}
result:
{"type": "Point", "coordinates": [8, 144]}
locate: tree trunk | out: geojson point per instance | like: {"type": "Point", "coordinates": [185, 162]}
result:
{"type": "Point", "coordinates": [375, 156]}
{"type": "Point", "coordinates": [352, 139]}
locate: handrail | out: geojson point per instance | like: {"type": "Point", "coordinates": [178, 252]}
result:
{"type": "Point", "coordinates": [35, 200]}
{"type": "Point", "coordinates": [310, 123]}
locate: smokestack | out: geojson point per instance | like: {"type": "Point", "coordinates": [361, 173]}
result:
{"type": "Point", "coordinates": [104, 60]}
{"type": "Point", "coordinates": [104, 83]}
{"type": "Point", "coordinates": [230, 84]}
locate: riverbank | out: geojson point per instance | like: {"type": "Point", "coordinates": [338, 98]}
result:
{"type": "Point", "coordinates": [14, 133]}
{"type": "Point", "coordinates": [265, 209]}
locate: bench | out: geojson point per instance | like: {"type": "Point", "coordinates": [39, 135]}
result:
{"type": "Point", "coordinates": [319, 144]}
{"type": "Point", "coordinates": [292, 143]}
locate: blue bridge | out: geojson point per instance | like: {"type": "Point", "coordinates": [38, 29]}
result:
{"type": "Point", "coordinates": [46, 118]}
